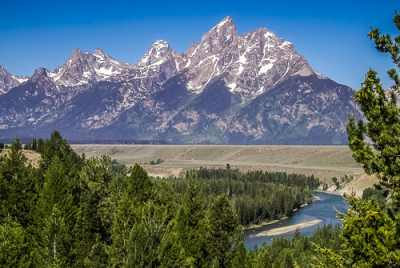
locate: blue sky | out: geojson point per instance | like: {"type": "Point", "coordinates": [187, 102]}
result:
{"type": "Point", "coordinates": [331, 35]}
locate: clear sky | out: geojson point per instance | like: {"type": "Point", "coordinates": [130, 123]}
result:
{"type": "Point", "coordinates": [331, 35]}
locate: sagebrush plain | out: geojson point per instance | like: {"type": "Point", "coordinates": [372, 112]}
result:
{"type": "Point", "coordinates": [324, 162]}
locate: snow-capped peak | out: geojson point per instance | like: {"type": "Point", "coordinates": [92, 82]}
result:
{"type": "Point", "coordinates": [250, 63]}
{"type": "Point", "coordinates": [227, 20]}
{"type": "Point", "coordinates": [85, 68]}
{"type": "Point", "coordinates": [156, 53]}
{"type": "Point", "coordinates": [8, 81]}
{"type": "Point", "coordinates": [220, 36]}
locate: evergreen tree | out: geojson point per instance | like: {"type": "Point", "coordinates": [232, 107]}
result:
{"type": "Point", "coordinates": [57, 147]}
{"type": "Point", "coordinates": [224, 231]}
{"type": "Point", "coordinates": [185, 244]}
{"type": "Point", "coordinates": [17, 188]}
{"type": "Point", "coordinates": [139, 190]}
{"type": "Point", "coordinates": [55, 217]}
{"type": "Point", "coordinates": [98, 257]}
{"type": "Point", "coordinates": [371, 234]}
{"type": "Point", "coordinates": [13, 245]}
{"type": "Point", "coordinates": [40, 146]}
{"type": "Point", "coordinates": [241, 257]}
{"type": "Point", "coordinates": [34, 144]}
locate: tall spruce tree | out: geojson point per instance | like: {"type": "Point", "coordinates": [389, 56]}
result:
{"type": "Point", "coordinates": [17, 187]}
{"type": "Point", "coordinates": [184, 245]}
{"type": "Point", "coordinates": [139, 190]}
{"type": "Point", "coordinates": [13, 245]}
{"type": "Point", "coordinates": [224, 231]}
{"type": "Point", "coordinates": [55, 218]}
{"type": "Point", "coordinates": [371, 235]}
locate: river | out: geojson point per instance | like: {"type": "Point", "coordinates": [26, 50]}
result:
{"type": "Point", "coordinates": [323, 209]}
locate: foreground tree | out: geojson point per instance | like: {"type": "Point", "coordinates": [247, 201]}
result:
{"type": "Point", "coordinates": [382, 126]}
{"type": "Point", "coordinates": [371, 233]}
{"type": "Point", "coordinates": [55, 217]}
{"type": "Point", "coordinates": [17, 188]}
{"type": "Point", "coordinates": [223, 230]}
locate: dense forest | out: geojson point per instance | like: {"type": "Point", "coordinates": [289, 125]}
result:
{"type": "Point", "coordinates": [76, 212]}
{"type": "Point", "coordinates": [255, 196]}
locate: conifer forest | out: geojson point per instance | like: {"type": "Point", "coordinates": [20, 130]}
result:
{"type": "Point", "coordinates": [73, 211]}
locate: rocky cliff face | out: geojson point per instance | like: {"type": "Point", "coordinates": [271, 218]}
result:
{"type": "Point", "coordinates": [9, 81]}
{"type": "Point", "coordinates": [252, 88]}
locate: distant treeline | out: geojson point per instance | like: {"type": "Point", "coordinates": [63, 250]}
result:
{"type": "Point", "coordinates": [30, 141]}
{"type": "Point", "coordinates": [255, 196]}
{"type": "Point", "coordinates": [299, 180]}
{"type": "Point", "coordinates": [70, 211]}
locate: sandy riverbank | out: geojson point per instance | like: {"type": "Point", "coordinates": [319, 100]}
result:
{"type": "Point", "coordinates": [286, 229]}
{"type": "Point", "coordinates": [252, 226]}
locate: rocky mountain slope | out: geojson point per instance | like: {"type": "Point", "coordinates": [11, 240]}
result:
{"type": "Point", "coordinates": [241, 89]}
{"type": "Point", "coordinates": [9, 81]}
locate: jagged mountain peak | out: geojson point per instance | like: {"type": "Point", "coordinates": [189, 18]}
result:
{"type": "Point", "coordinates": [8, 81]}
{"type": "Point", "coordinates": [159, 49]}
{"type": "Point", "coordinates": [39, 72]}
{"type": "Point", "coordinates": [98, 51]}
{"type": "Point", "coordinates": [86, 68]}
{"type": "Point", "coordinates": [41, 76]}
{"type": "Point", "coordinates": [156, 53]}
{"type": "Point", "coordinates": [249, 64]}
{"type": "Point", "coordinates": [229, 88]}
{"type": "Point", "coordinates": [77, 53]}
{"type": "Point", "coordinates": [226, 23]}
{"type": "Point", "coordinates": [220, 36]}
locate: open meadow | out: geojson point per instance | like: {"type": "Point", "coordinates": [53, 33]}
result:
{"type": "Point", "coordinates": [324, 162]}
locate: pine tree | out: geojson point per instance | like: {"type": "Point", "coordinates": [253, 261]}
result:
{"type": "Point", "coordinates": [13, 245]}
{"type": "Point", "coordinates": [371, 234]}
{"type": "Point", "coordinates": [94, 215]}
{"type": "Point", "coordinates": [55, 217]}
{"type": "Point", "coordinates": [185, 241]}
{"type": "Point", "coordinates": [98, 257]}
{"type": "Point", "coordinates": [241, 257]}
{"type": "Point", "coordinates": [139, 190]}
{"type": "Point", "coordinates": [17, 187]}
{"type": "Point", "coordinates": [34, 144]}
{"type": "Point", "coordinates": [224, 231]}
{"type": "Point", "coordinates": [40, 146]}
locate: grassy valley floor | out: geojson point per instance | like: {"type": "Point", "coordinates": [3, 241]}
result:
{"type": "Point", "coordinates": [324, 162]}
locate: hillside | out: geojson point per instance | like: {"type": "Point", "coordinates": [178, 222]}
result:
{"type": "Point", "coordinates": [323, 162]}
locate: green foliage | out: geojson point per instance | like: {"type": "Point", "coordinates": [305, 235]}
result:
{"type": "Point", "coordinates": [55, 217]}
{"type": "Point", "coordinates": [254, 196]}
{"type": "Point", "coordinates": [371, 229]}
{"type": "Point", "coordinates": [382, 126]}
{"type": "Point", "coordinates": [13, 245]}
{"type": "Point", "coordinates": [159, 161]}
{"type": "Point", "coordinates": [77, 212]}
{"type": "Point", "coordinates": [186, 236]}
{"type": "Point", "coordinates": [114, 150]}
{"type": "Point", "coordinates": [98, 256]}
{"type": "Point", "coordinates": [94, 216]}
{"type": "Point", "coordinates": [336, 182]}
{"type": "Point", "coordinates": [369, 238]}
{"type": "Point", "coordinates": [17, 188]}
{"type": "Point", "coordinates": [223, 229]}
{"type": "Point", "coordinates": [298, 251]}
{"type": "Point", "coordinates": [34, 144]}
{"type": "Point", "coordinates": [379, 195]}
{"type": "Point", "coordinates": [40, 146]}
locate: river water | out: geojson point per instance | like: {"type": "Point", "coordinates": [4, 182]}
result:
{"type": "Point", "coordinates": [323, 209]}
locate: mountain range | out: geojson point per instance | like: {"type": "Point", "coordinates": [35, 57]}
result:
{"type": "Point", "coordinates": [252, 88]}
